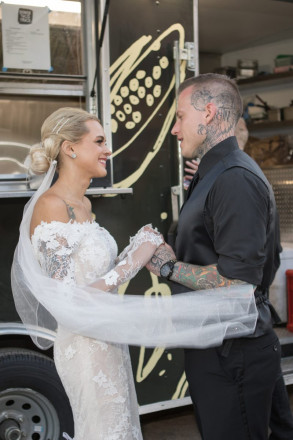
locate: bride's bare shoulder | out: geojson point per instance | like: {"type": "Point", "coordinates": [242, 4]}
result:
{"type": "Point", "coordinates": [49, 207]}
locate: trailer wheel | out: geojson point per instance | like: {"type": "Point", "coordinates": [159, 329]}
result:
{"type": "Point", "coordinates": [33, 403]}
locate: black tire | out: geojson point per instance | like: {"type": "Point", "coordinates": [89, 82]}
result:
{"type": "Point", "coordinates": [32, 396]}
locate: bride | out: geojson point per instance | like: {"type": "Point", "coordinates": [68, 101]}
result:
{"type": "Point", "coordinates": [66, 271]}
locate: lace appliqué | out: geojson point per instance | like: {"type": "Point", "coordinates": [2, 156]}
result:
{"type": "Point", "coordinates": [111, 278]}
{"type": "Point", "coordinates": [69, 352]}
{"type": "Point", "coordinates": [110, 390]}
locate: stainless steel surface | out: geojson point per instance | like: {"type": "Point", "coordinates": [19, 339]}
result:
{"type": "Point", "coordinates": [89, 40]}
{"type": "Point", "coordinates": [281, 179]}
{"type": "Point", "coordinates": [13, 172]}
{"type": "Point", "coordinates": [165, 405]}
{"type": "Point", "coordinates": [17, 328]}
{"type": "Point", "coordinates": [195, 37]}
{"type": "Point", "coordinates": [42, 76]}
{"type": "Point", "coordinates": [13, 190]}
{"type": "Point", "coordinates": [12, 167]}
{"type": "Point", "coordinates": [21, 118]}
{"type": "Point", "coordinates": [105, 85]}
{"type": "Point", "coordinates": [109, 190]}
{"type": "Point", "coordinates": [20, 127]}
{"type": "Point", "coordinates": [177, 61]}
{"type": "Point", "coordinates": [175, 191]}
{"type": "Point", "coordinates": [18, 88]}
{"type": "Point", "coordinates": [24, 192]}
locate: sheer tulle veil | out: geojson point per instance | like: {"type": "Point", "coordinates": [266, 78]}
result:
{"type": "Point", "coordinates": [195, 319]}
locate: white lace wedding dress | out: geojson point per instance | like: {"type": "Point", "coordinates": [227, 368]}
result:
{"type": "Point", "coordinates": [97, 376]}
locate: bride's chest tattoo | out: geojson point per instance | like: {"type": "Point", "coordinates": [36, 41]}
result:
{"type": "Point", "coordinates": [70, 211]}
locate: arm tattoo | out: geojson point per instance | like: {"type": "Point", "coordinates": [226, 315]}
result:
{"type": "Point", "coordinates": [200, 277]}
{"type": "Point", "coordinates": [70, 211]}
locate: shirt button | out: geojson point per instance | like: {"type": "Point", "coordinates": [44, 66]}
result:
{"type": "Point", "coordinates": [275, 348]}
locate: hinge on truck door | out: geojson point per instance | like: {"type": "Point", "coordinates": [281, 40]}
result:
{"type": "Point", "coordinates": [187, 53]}
{"type": "Point", "coordinates": [175, 196]}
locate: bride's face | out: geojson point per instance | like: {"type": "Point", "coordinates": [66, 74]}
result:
{"type": "Point", "coordinates": [92, 151]}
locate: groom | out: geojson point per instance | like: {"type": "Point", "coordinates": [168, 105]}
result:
{"type": "Point", "coordinates": [227, 234]}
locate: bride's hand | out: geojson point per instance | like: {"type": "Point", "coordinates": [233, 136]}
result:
{"type": "Point", "coordinates": [143, 245]}
{"type": "Point", "coordinates": [149, 229]}
{"type": "Point", "coordinates": [153, 239]}
{"type": "Point", "coordinates": [146, 251]}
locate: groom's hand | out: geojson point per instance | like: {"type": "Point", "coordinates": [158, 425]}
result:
{"type": "Point", "coordinates": [163, 254]}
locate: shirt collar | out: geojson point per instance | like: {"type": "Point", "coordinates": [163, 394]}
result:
{"type": "Point", "coordinates": [215, 154]}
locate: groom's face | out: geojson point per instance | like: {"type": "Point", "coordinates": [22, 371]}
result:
{"type": "Point", "coordinates": [188, 125]}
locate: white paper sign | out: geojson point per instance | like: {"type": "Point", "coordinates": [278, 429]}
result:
{"type": "Point", "coordinates": [25, 37]}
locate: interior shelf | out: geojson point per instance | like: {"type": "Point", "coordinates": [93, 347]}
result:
{"type": "Point", "coordinates": [269, 127]}
{"type": "Point", "coordinates": [267, 77]}
{"type": "Point", "coordinates": [266, 81]}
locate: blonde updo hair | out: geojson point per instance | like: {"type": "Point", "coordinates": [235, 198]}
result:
{"type": "Point", "coordinates": [65, 124]}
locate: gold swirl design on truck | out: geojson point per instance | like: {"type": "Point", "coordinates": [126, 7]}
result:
{"type": "Point", "coordinates": [131, 85]}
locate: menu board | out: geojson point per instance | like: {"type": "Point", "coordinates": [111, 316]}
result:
{"type": "Point", "coordinates": [25, 37]}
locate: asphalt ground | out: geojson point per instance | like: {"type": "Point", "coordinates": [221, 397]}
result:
{"type": "Point", "coordinates": [172, 424]}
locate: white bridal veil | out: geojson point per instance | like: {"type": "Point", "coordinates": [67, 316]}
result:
{"type": "Point", "coordinates": [194, 319]}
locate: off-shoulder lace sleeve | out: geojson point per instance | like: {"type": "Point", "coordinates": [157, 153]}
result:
{"type": "Point", "coordinates": [131, 259]}
{"type": "Point", "coordinates": [54, 250]}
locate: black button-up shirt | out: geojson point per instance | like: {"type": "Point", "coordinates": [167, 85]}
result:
{"type": "Point", "coordinates": [229, 225]}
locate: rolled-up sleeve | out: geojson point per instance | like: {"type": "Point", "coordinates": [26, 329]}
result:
{"type": "Point", "coordinates": [237, 215]}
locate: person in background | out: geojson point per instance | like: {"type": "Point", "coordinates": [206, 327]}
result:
{"type": "Point", "coordinates": [226, 236]}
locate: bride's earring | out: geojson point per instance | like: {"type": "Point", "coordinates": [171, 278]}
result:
{"type": "Point", "coordinates": [73, 155]}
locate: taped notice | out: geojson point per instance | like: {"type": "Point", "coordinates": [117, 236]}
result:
{"type": "Point", "coordinates": [25, 37]}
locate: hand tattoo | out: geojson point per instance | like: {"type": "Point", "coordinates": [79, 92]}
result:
{"type": "Point", "coordinates": [160, 257]}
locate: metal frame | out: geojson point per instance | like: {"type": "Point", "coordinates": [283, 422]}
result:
{"type": "Point", "coordinates": [166, 404]}
{"type": "Point", "coordinates": [190, 53]}
{"type": "Point", "coordinates": [178, 190]}
{"type": "Point", "coordinates": [195, 38]}
{"type": "Point", "coordinates": [16, 328]}
{"type": "Point", "coordinates": [89, 45]}
{"type": "Point", "coordinates": [105, 85]}
{"type": "Point", "coordinates": [91, 26]}
{"type": "Point", "coordinates": [89, 192]}
{"type": "Point", "coordinates": [16, 88]}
